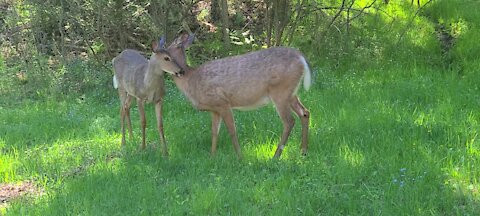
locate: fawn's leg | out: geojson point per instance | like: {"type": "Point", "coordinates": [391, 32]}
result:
{"type": "Point", "coordinates": [143, 121]}
{"type": "Point", "coordinates": [158, 111]}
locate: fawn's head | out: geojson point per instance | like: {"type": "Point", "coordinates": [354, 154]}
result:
{"type": "Point", "coordinates": [163, 60]}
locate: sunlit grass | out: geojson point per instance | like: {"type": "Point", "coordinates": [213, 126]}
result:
{"type": "Point", "coordinates": [8, 167]}
{"type": "Point", "coordinates": [352, 156]}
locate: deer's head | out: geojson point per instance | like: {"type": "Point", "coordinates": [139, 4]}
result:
{"type": "Point", "coordinates": [162, 59]}
{"type": "Point", "coordinates": [178, 47]}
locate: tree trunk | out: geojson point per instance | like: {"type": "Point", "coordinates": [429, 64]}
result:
{"type": "Point", "coordinates": [281, 18]}
{"type": "Point", "coordinates": [215, 11]}
{"type": "Point", "coordinates": [299, 13]}
{"type": "Point", "coordinates": [223, 5]}
{"type": "Point", "coordinates": [269, 21]}
{"type": "Point", "coordinates": [173, 19]}
{"type": "Point", "coordinates": [166, 15]}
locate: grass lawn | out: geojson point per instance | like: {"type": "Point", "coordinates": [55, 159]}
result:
{"type": "Point", "coordinates": [384, 142]}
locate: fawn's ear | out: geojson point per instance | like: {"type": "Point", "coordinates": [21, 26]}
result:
{"type": "Point", "coordinates": [157, 46]}
{"type": "Point", "coordinates": [154, 45]}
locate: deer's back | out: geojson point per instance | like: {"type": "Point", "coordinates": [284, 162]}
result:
{"type": "Point", "coordinates": [248, 79]}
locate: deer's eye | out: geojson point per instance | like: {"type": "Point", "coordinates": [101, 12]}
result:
{"type": "Point", "coordinates": [166, 58]}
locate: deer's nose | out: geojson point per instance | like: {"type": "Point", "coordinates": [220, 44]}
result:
{"type": "Point", "coordinates": [180, 73]}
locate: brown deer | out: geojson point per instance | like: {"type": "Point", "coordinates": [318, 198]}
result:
{"type": "Point", "coordinates": [245, 82]}
{"type": "Point", "coordinates": [135, 76]}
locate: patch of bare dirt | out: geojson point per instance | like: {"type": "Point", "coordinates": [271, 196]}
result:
{"type": "Point", "coordinates": [9, 192]}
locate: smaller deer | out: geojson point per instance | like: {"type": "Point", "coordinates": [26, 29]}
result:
{"type": "Point", "coordinates": [245, 82]}
{"type": "Point", "coordinates": [135, 76]}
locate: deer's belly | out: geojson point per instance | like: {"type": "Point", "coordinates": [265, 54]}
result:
{"type": "Point", "coordinates": [250, 106]}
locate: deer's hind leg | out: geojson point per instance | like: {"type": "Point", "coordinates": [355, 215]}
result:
{"type": "Point", "coordinates": [215, 129]}
{"type": "Point", "coordinates": [282, 104]}
{"type": "Point", "coordinates": [143, 121]}
{"type": "Point", "coordinates": [304, 116]}
{"type": "Point", "coordinates": [128, 102]}
{"type": "Point", "coordinates": [125, 101]}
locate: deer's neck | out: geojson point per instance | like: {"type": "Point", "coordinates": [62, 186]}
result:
{"type": "Point", "coordinates": [151, 81]}
{"type": "Point", "coordinates": [184, 82]}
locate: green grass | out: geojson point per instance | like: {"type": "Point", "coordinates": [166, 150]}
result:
{"type": "Point", "coordinates": [398, 139]}
{"type": "Point", "coordinates": [381, 142]}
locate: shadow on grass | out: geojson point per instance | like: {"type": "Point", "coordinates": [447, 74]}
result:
{"type": "Point", "coordinates": [37, 123]}
{"type": "Point", "coordinates": [44, 139]}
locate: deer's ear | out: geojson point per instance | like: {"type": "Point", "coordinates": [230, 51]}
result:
{"type": "Point", "coordinates": [154, 46]}
{"type": "Point", "coordinates": [189, 40]}
{"type": "Point", "coordinates": [161, 44]}
{"type": "Point", "coordinates": [184, 40]}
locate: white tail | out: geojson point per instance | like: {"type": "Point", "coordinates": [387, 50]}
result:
{"type": "Point", "coordinates": [115, 82]}
{"type": "Point", "coordinates": [135, 76]}
{"type": "Point", "coordinates": [243, 82]}
{"type": "Point", "coordinates": [307, 79]}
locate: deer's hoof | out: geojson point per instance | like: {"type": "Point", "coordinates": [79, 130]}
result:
{"type": "Point", "coordinates": [304, 153]}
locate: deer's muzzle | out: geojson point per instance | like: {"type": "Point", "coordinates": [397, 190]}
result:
{"type": "Point", "coordinates": [180, 73]}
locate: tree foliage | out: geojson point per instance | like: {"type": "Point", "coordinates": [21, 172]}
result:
{"type": "Point", "coordinates": [341, 35]}
{"type": "Point", "coordinates": [104, 27]}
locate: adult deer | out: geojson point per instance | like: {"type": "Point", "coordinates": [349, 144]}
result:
{"type": "Point", "coordinates": [245, 82]}
{"type": "Point", "coordinates": [135, 76]}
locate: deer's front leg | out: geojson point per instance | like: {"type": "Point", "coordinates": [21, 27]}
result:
{"type": "Point", "coordinates": [227, 117]}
